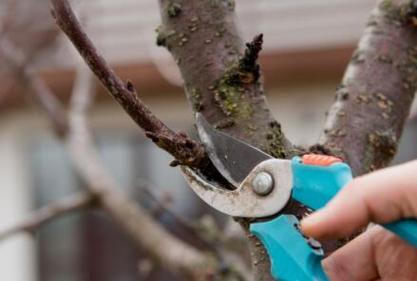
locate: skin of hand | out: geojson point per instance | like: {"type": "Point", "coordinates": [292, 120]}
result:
{"type": "Point", "coordinates": [377, 254]}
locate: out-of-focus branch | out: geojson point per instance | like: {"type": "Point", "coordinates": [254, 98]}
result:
{"type": "Point", "coordinates": [208, 232]}
{"type": "Point", "coordinates": [52, 211]}
{"type": "Point", "coordinates": [41, 93]}
{"type": "Point", "coordinates": [135, 221]}
{"type": "Point", "coordinates": [185, 150]}
{"type": "Point", "coordinates": [373, 102]}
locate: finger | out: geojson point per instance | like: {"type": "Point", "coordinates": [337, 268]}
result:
{"type": "Point", "coordinates": [354, 261]}
{"type": "Point", "coordinates": [377, 254]}
{"type": "Point", "coordinates": [380, 197]}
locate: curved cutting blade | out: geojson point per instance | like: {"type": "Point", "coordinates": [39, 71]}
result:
{"type": "Point", "coordinates": [233, 158]}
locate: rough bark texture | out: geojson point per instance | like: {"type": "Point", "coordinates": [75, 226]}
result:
{"type": "Point", "coordinates": [373, 101]}
{"type": "Point", "coordinates": [223, 80]}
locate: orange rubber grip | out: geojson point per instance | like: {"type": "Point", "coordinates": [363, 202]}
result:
{"type": "Point", "coordinates": [320, 160]}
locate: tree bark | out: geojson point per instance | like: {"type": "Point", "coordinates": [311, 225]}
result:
{"type": "Point", "coordinates": [372, 104]}
{"type": "Point", "coordinates": [222, 78]}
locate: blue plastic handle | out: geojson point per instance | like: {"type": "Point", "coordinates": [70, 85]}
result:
{"type": "Point", "coordinates": [314, 186]}
{"type": "Point", "coordinates": [291, 256]}
{"type": "Point", "coordinates": [292, 259]}
{"type": "Point", "coordinates": [406, 229]}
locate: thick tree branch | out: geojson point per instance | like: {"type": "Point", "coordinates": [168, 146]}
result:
{"type": "Point", "coordinates": [372, 103]}
{"type": "Point", "coordinates": [52, 211]}
{"type": "Point", "coordinates": [222, 77]}
{"type": "Point", "coordinates": [185, 150]}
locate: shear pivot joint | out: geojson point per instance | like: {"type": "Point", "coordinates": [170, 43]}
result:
{"type": "Point", "coordinates": [263, 183]}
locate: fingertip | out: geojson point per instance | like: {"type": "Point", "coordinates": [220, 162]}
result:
{"type": "Point", "coordinates": [314, 225]}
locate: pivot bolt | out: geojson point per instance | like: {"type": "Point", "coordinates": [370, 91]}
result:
{"type": "Point", "coordinates": [263, 183]}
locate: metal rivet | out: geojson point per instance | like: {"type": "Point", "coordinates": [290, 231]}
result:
{"type": "Point", "coordinates": [263, 183]}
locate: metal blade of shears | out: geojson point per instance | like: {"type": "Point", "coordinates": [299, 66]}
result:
{"type": "Point", "coordinates": [233, 158]}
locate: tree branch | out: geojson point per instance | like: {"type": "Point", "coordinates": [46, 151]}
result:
{"type": "Point", "coordinates": [52, 211]}
{"type": "Point", "coordinates": [372, 103]}
{"type": "Point", "coordinates": [222, 77]}
{"type": "Point", "coordinates": [185, 150]}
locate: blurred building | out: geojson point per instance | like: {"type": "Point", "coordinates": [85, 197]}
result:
{"type": "Point", "coordinates": [307, 46]}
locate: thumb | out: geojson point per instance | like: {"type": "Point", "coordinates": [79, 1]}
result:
{"type": "Point", "coordinates": [380, 197]}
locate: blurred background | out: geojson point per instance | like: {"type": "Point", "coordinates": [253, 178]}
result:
{"type": "Point", "coordinates": [307, 46]}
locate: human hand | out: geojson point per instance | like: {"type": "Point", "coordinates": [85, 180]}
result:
{"type": "Point", "coordinates": [381, 197]}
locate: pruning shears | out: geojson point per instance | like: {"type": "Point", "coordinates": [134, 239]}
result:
{"type": "Point", "coordinates": [264, 186]}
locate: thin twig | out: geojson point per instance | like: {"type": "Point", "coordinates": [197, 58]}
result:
{"type": "Point", "coordinates": [52, 211]}
{"type": "Point", "coordinates": [185, 150]}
